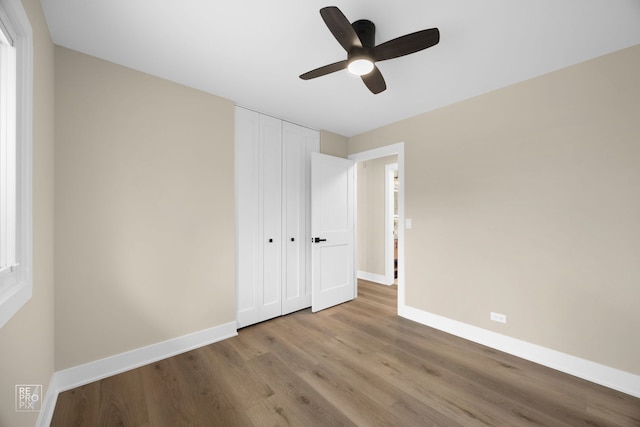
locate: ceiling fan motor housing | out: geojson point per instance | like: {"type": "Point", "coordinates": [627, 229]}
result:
{"type": "Point", "coordinates": [366, 31]}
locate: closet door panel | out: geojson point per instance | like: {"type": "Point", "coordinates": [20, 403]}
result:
{"type": "Point", "coordinates": [248, 229]}
{"type": "Point", "coordinates": [271, 203]}
{"type": "Point", "coordinates": [297, 143]}
{"type": "Point", "coordinates": [293, 218]}
{"type": "Point", "coordinates": [312, 145]}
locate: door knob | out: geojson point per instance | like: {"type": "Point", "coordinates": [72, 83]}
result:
{"type": "Point", "coordinates": [318, 240]}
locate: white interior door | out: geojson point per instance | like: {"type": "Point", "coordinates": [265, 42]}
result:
{"type": "Point", "coordinates": [332, 228]}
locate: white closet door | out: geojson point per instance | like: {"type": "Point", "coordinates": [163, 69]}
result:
{"type": "Point", "coordinates": [271, 208]}
{"type": "Point", "coordinates": [249, 220]}
{"type": "Point", "coordinates": [312, 141]}
{"type": "Point", "coordinates": [297, 144]}
{"type": "Point", "coordinates": [259, 227]}
{"type": "Point", "coordinates": [273, 252]}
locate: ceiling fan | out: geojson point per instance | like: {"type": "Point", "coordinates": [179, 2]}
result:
{"type": "Point", "coordinates": [358, 39]}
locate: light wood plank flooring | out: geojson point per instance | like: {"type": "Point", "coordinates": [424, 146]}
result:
{"type": "Point", "coordinates": [357, 364]}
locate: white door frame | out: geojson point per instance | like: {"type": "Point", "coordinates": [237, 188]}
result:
{"type": "Point", "coordinates": [389, 150]}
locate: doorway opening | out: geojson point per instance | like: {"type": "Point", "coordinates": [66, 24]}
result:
{"type": "Point", "coordinates": [380, 237]}
{"type": "Point", "coordinates": [375, 235]}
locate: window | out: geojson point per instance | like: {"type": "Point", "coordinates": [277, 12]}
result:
{"type": "Point", "coordinates": [15, 158]}
{"type": "Point", "coordinates": [7, 152]}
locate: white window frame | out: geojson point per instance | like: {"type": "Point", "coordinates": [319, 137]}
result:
{"type": "Point", "coordinates": [16, 281]}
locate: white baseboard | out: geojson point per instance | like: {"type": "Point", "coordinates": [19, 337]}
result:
{"type": "Point", "coordinates": [103, 368]}
{"type": "Point", "coordinates": [48, 403]}
{"type": "Point", "coordinates": [376, 278]}
{"type": "Point", "coordinates": [616, 379]}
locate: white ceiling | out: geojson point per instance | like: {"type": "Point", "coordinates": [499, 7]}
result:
{"type": "Point", "coordinates": [252, 51]}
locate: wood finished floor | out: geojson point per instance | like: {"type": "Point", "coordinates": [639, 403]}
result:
{"type": "Point", "coordinates": [357, 364]}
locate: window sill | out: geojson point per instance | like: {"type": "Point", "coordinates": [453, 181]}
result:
{"type": "Point", "coordinates": [12, 300]}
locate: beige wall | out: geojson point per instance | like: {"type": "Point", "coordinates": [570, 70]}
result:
{"type": "Point", "coordinates": [144, 209]}
{"type": "Point", "coordinates": [525, 202]}
{"type": "Point", "coordinates": [26, 341]}
{"type": "Point", "coordinates": [371, 214]}
{"type": "Point", "coordinates": [333, 144]}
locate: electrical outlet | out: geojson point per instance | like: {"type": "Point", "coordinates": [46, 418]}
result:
{"type": "Point", "coordinates": [497, 317]}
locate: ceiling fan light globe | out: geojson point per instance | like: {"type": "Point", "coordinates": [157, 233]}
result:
{"type": "Point", "coordinates": [360, 66]}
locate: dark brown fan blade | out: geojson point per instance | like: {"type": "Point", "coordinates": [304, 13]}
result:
{"type": "Point", "coordinates": [340, 27]}
{"type": "Point", "coordinates": [374, 81]}
{"type": "Point", "coordinates": [407, 44]}
{"type": "Point", "coordinates": [327, 69]}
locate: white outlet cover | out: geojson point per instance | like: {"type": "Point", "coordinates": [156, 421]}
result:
{"type": "Point", "coordinates": [408, 223]}
{"type": "Point", "coordinates": [497, 317]}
